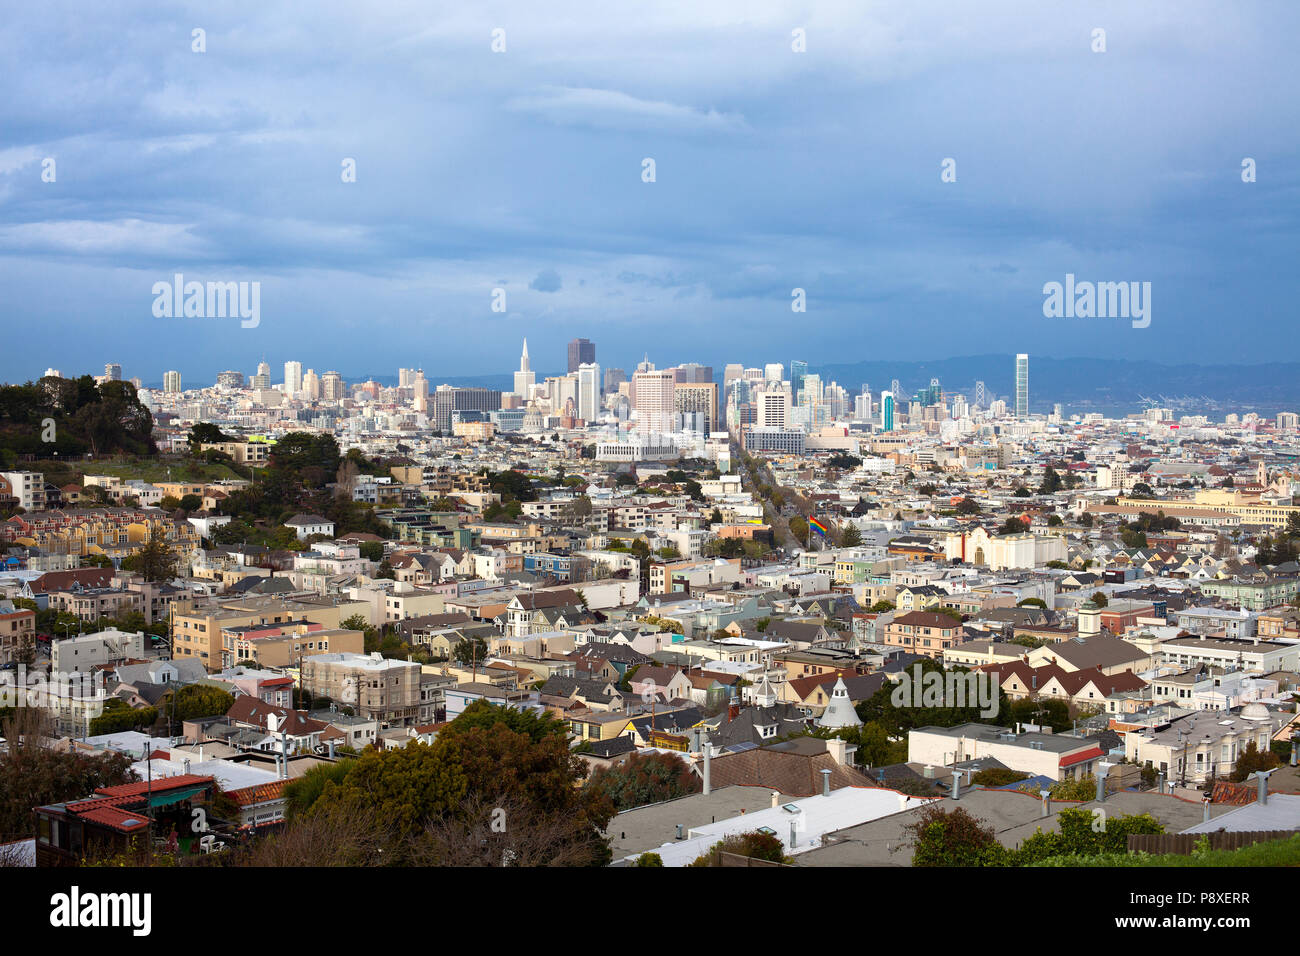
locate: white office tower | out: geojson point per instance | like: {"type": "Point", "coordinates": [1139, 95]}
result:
{"type": "Point", "coordinates": [653, 400]}
{"type": "Point", "coordinates": [311, 385]}
{"type": "Point", "coordinates": [1022, 385]}
{"type": "Point", "coordinates": [562, 390]}
{"type": "Point", "coordinates": [730, 373]}
{"type": "Point", "coordinates": [836, 401]}
{"type": "Point", "coordinates": [292, 378]}
{"type": "Point", "coordinates": [263, 377]}
{"type": "Point", "coordinates": [774, 371]}
{"type": "Point", "coordinates": [812, 392]}
{"type": "Point", "coordinates": [862, 407]}
{"type": "Point", "coordinates": [53, 373]}
{"type": "Point", "coordinates": [588, 391]}
{"type": "Point", "coordinates": [420, 386]}
{"type": "Point", "coordinates": [525, 378]}
{"type": "Point", "coordinates": [774, 405]}
{"type": "Point", "coordinates": [405, 377]}
{"type": "Point", "coordinates": [172, 383]}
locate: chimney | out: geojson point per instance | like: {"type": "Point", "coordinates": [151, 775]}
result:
{"type": "Point", "coordinates": [1047, 803]}
{"type": "Point", "coordinates": [1161, 780]}
{"type": "Point", "coordinates": [679, 832]}
{"type": "Point", "coordinates": [776, 799]}
{"type": "Point", "coordinates": [826, 782]}
{"type": "Point", "coordinates": [1262, 792]}
{"type": "Point", "coordinates": [956, 784]}
{"type": "Point", "coordinates": [1205, 811]}
{"type": "Point", "coordinates": [708, 768]}
{"type": "Point", "coordinates": [331, 749]}
{"type": "Point", "coordinates": [187, 766]}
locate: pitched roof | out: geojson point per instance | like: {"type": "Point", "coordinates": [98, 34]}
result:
{"type": "Point", "coordinates": [248, 709]}
{"type": "Point", "coordinates": [786, 770]}
{"type": "Point", "coordinates": [926, 619]}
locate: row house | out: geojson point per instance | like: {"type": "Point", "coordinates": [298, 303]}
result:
{"type": "Point", "coordinates": [924, 632]}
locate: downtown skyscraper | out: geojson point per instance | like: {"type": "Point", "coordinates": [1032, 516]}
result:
{"type": "Point", "coordinates": [1022, 385]}
{"type": "Point", "coordinates": [581, 352]}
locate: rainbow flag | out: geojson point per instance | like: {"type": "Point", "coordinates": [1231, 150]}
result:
{"type": "Point", "coordinates": [817, 526]}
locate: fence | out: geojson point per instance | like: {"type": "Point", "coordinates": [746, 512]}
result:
{"type": "Point", "coordinates": [1182, 844]}
{"type": "Point", "coordinates": [722, 858]}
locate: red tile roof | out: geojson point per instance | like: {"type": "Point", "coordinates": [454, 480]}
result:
{"type": "Point", "coordinates": [258, 793]}
{"type": "Point", "coordinates": [160, 785]}
{"type": "Point", "coordinates": [124, 821]}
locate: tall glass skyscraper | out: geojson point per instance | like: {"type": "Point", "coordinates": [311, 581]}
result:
{"type": "Point", "coordinates": [1022, 385]}
{"type": "Point", "coordinates": [797, 372]}
{"type": "Point", "coordinates": [887, 411]}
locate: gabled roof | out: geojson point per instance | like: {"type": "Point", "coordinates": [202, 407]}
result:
{"type": "Point", "coordinates": [786, 770]}
{"type": "Point", "coordinates": [251, 710]}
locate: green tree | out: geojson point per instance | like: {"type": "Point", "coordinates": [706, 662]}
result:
{"type": "Point", "coordinates": [118, 717]}
{"type": "Point", "coordinates": [1132, 539]}
{"type": "Point", "coordinates": [205, 433]}
{"type": "Point", "coordinates": [643, 779]}
{"type": "Point", "coordinates": [155, 561]}
{"type": "Point", "coordinates": [754, 844]}
{"type": "Point", "coordinates": [997, 777]}
{"type": "Point", "coordinates": [1251, 760]}
{"type": "Point", "coordinates": [953, 837]}
{"type": "Point", "coordinates": [33, 775]}
{"type": "Point", "coordinates": [1051, 482]}
{"type": "Point", "coordinates": [194, 701]}
{"type": "Point", "coordinates": [483, 715]}
{"type": "Point", "coordinates": [301, 793]}
{"type": "Point", "coordinates": [1013, 526]}
{"type": "Point", "coordinates": [472, 650]}
{"type": "Point", "coordinates": [851, 537]}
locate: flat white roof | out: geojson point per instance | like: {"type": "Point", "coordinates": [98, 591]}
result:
{"type": "Point", "coordinates": [813, 817]}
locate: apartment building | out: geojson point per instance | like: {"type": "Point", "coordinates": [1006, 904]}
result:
{"type": "Point", "coordinates": [1205, 745]}
{"type": "Point", "coordinates": [88, 652]}
{"type": "Point", "coordinates": [1250, 654]}
{"type": "Point", "coordinates": [924, 632]}
{"type": "Point", "coordinates": [17, 633]}
{"type": "Point", "coordinates": [26, 487]}
{"type": "Point", "coordinates": [252, 453]}
{"type": "Point", "coordinates": [286, 645]}
{"type": "Point", "coordinates": [1055, 756]}
{"type": "Point", "coordinates": [375, 687]}
{"type": "Point", "coordinates": [198, 623]}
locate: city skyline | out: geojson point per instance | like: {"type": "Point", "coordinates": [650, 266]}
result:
{"type": "Point", "coordinates": [845, 201]}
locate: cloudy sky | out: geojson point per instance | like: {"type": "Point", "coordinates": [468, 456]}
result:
{"type": "Point", "coordinates": [522, 170]}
